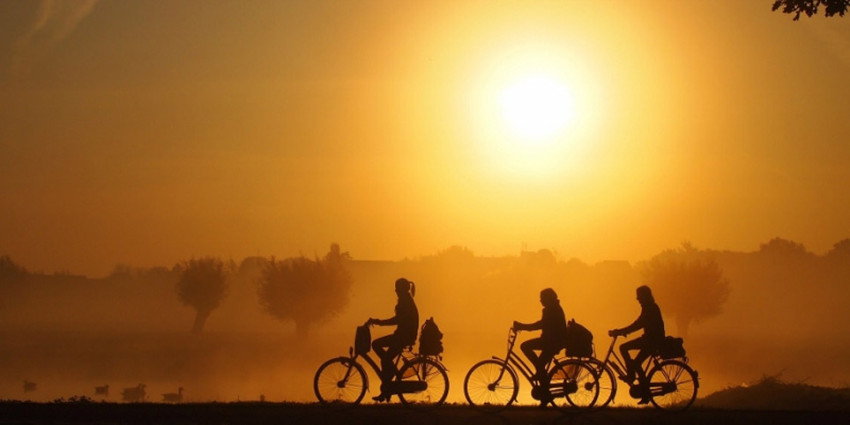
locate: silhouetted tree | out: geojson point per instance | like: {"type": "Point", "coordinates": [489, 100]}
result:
{"type": "Point", "coordinates": [783, 247]}
{"type": "Point", "coordinates": [12, 277]}
{"type": "Point", "coordinates": [11, 271]}
{"type": "Point", "coordinates": [541, 258]}
{"type": "Point", "coordinates": [455, 254]}
{"type": "Point", "coordinates": [841, 249]}
{"type": "Point", "coordinates": [839, 256]}
{"type": "Point", "coordinates": [202, 286]}
{"type": "Point", "coordinates": [810, 7]}
{"type": "Point", "coordinates": [689, 285]}
{"type": "Point", "coordinates": [252, 267]}
{"type": "Point", "coordinates": [784, 254]}
{"type": "Point", "coordinates": [122, 271]}
{"type": "Point", "coordinates": [305, 291]}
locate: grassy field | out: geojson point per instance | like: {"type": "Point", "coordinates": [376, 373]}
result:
{"type": "Point", "coordinates": [287, 413]}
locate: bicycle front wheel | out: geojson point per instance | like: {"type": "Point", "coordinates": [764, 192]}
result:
{"type": "Point", "coordinates": [573, 384]}
{"type": "Point", "coordinates": [433, 375]}
{"type": "Point", "coordinates": [607, 382]}
{"type": "Point", "coordinates": [673, 385]}
{"type": "Point", "coordinates": [490, 384]}
{"type": "Point", "coordinates": [340, 380]}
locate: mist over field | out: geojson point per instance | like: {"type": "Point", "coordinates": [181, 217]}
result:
{"type": "Point", "coordinates": [785, 315]}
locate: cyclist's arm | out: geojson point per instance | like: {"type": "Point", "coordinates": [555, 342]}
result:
{"type": "Point", "coordinates": [528, 326]}
{"type": "Point", "coordinates": [384, 322]}
{"type": "Point", "coordinates": [636, 325]}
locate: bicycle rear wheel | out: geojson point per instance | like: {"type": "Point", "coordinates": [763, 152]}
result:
{"type": "Point", "coordinates": [673, 385]}
{"type": "Point", "coordinates": [491, 384]}
{"type": "Point", "coordinates": [573, 384]}
{"type": "Point", "coordinates": [340, 380]}
{"type": "Point", "coordinates": [433, 374]}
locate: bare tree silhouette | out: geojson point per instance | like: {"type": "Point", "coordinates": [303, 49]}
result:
{"type": "Point", "coordinates": [810, 7]}
{"type": "Point", "coordinates": [305, 291]}
{"type": "Point", "coordinates": [202, 286]}
{"type": "Point", "coordinates": [688, 284]}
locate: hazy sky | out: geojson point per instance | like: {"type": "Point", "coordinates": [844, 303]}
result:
{"type": "Point", "coordinates": [148, 132]}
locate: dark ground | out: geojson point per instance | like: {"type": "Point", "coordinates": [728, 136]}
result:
{"type": "Point", "coordinates": [280, 413]}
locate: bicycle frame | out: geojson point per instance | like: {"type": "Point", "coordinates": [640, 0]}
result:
{"type": "Point", "coordinates": [515, 362]}
{"type": "Point", "coordinates": [615, 362]}
{"type": "Point", "coordinates": [400, 361]}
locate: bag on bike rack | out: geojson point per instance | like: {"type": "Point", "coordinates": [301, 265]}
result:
{"type": "Point", "coordinates": [672, 348]}
{"type": "Point", "coordinates": [578, 341]}
{"type": "Point", "coordinates": [362, 340]}
{"type": "Point", "coordinates": [430, 339]}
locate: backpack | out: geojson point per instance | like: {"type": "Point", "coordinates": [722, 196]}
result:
{"type": "Point", "coordinates": [578, 341]}
{"type": "Point", "coordinates": [430, 339]}
{"type": "Point", "coordinates": [671, 348]}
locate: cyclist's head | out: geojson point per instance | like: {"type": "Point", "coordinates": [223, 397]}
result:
{"type": "Point", "coordinates": [644, 295]}
{"type": "Point", "coordinates": [404, 286]}
{"type": "Point", "coordinates": [548, 296]}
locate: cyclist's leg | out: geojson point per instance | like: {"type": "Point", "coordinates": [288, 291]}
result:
{"type": "Point", "coordinates": [632, 366]}
{"type": "Point", "coordinates": [646, 350]}
{"type": "Point", "coordinates": [530, 348]}
{"type": "Point", "coordinates": [642, 355]}
{"type": "Point", "coordinates": [380, 345]}
{"type": "Point", "coordinates": [546, 355]}
{"type": "Point", "coordinates": [387, 348]}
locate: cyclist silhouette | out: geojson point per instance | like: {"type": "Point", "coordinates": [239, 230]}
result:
{"type": "Point", "coordinates": [387, 347]}
{"type": "Point", "coordinates": [652, 323]}
{"type": "Point", "coordinates": [554, 329]}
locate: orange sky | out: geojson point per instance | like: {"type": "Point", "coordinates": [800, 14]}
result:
{"type": "Point", "coordinates": [148, 132]}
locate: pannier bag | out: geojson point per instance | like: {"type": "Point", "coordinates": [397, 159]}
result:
{"type": "Point", "coordinates": [671, 348]}
{"type": "Point", "coordinates": [362, 340]}
{"type": "Point", "coordinates": [579, 340]}
{"type": "Point", "coordinates": [430, 339]}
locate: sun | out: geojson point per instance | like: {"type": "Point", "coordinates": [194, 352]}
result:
{"type": "Point", "coordinates": [537, 108]}
{"type": "Point", "coordinates": [534, 116]}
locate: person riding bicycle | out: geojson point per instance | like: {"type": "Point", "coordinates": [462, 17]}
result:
{"type": "Point", "coordinates": [652, 323]}
{"type": "Point", "coordinates": [387, 347]}
{"type": "Point", "coordinates": [554, 329]}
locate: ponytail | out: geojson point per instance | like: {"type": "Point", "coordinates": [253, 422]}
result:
{"type": "Point", "coordinates": [404, 285]}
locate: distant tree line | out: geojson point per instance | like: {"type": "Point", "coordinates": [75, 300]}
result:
{"type": "Point", "coordinates": [692, 285]}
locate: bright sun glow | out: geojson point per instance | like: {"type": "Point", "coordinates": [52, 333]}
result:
{"type": "Point", "coordinates": [534, 114]}
{"type": "Point", "coordinates": [537, 108]}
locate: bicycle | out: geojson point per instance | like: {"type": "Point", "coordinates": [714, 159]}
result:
{"type": "Point", "coordinates": [420, 379]}
{"type": "Point", "coordinates": [670, 383]}
{"type": "Point", "coordinates": [494, 384]}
